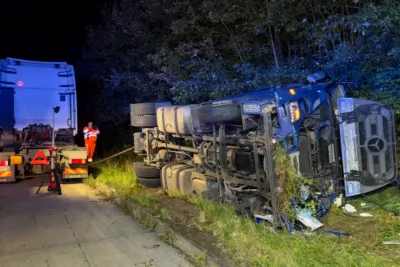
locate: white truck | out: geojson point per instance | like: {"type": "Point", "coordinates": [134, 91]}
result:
{"type": "Point", "coordinates": [31, 93]}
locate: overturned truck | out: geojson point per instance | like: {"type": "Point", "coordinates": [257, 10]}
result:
{"type": "Point", "coordinates": [224, 148]}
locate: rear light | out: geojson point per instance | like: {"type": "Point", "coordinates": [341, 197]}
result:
{"type": "Point", "coordinates": [77, 161]}
{"type": "Point", "coordinates": [4, 163]}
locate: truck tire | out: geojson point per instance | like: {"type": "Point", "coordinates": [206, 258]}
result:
{"type": "Point", "coordinates": [149, 182]}
{"type": "Point", "coordinates": [144, 171]}
{"type": "Point", "coordinates": [143, 109]}
{"type": "Point", "coordinates": [147, 108]}
{"type": "Point", "coordinates": [144, 121]}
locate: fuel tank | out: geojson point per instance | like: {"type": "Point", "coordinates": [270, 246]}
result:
{"type": "Point", "coordinates": [196, 119]}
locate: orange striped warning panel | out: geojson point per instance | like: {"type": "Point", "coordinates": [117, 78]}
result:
{"type": "Point", "coordinates": [75, 171]}
{"type": "Point", "coordinates": [6, 174]}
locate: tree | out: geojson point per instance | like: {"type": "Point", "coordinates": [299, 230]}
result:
{"type": "Point", "coordinates": [192, 51]}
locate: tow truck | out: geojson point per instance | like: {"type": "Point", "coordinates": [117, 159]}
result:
{"type": "Point", "coordinates": [38, 103]}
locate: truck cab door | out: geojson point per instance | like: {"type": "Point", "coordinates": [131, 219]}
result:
{"type": "Point", "coordinates": [368, 145]}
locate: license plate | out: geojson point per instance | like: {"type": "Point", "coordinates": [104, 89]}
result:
{"type": "Point", "coordinates": [4, 168]}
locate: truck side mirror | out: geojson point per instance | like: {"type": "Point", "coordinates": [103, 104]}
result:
{"type": "Point", "coordinates": [316, 77]}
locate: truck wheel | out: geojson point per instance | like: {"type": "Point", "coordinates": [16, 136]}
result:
{"type": "Point", "coordinates": [144, 171]}
{"type": "Point", "coordinates": [150, 183]}
{"type": "Point", "coordinates": [147, 108]}
{"type": "Point", "coordinates": [144, 121]}
{"type": "Point", "coordinates": [143, 109]}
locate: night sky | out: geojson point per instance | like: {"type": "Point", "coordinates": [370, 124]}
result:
{"type": "Point", "coordinates": [45, 30]}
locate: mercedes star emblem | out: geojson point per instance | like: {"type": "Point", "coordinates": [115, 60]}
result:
{"type": "Point", "coordinates": [376, 144]}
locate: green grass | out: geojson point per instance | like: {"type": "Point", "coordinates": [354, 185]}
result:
{"type": "Point", "coordinates": [120, 176]}
{"type": "Point", "coordinates": [251, 244]}
{"type": "Point", "coordinates": [117, 174]}
{"type": "Point", "coordinates": [387, 199]}
{"type": "Point", "coordinates": [255, 245]}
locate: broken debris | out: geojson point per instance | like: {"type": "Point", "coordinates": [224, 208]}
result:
{"type": "Point", "coordinates": [349, 209]}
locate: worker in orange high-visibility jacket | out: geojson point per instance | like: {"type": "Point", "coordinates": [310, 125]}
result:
{"type": "Point", "coordinates": [85, 135]}
{"type": "Point", "coordinates": [92, 138]}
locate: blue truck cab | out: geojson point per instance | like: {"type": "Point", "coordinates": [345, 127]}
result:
{"type": "Point", "coordinates": [329, 134]}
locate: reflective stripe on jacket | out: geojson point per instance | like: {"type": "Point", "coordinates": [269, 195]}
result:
{"type": "Point", "coordinates": [85, 132]}
{"type": "Point", "coordinates": [92, 135]}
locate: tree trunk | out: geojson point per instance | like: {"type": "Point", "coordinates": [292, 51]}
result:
{"type": "Point", "coordinates": [273, 47]}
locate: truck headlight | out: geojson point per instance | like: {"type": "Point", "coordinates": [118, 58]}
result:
{"type": "Point", "coordinates": [294, 110]}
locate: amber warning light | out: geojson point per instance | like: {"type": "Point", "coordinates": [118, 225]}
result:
{"type": "Point", "coordinates": [20, 83]}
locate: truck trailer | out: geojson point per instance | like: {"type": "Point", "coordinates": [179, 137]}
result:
{"type": "Point", "coordinates": [225, 148]}
{"type": "Point", "coordinates": [32, 93]}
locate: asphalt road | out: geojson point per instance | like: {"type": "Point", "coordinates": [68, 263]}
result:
{"type": "Point", "coordinates": [75, 229]}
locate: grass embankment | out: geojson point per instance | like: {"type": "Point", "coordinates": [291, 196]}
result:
{"type": "Point", "coordinates": [250, 244]}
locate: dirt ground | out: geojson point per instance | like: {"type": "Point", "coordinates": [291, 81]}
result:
{"type": "Point", "coordinates": [183, 216]}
